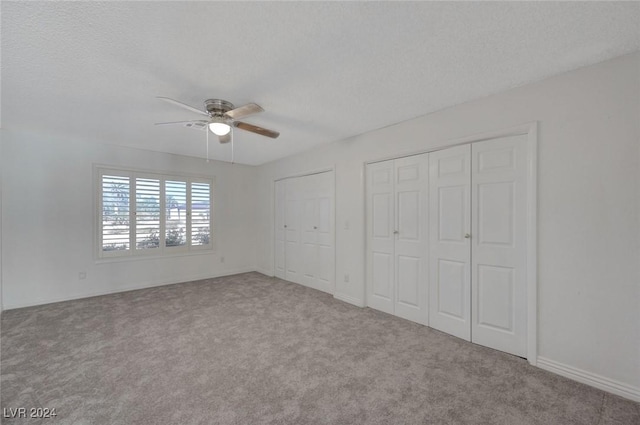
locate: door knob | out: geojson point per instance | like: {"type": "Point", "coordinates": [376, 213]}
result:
{"type": "Point", "coordinates": [285, 226]}
{"type": "Point", "coordinates": [395, 232]}
{"type": "Point", "coordinates": [467, 236]}
{"type": "Point", "coordinates": [315, 227]}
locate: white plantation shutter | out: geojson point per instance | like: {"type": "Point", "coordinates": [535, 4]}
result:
{"type": "Point", "coordinates": [115, 213]}
{"type": "Point", "coordinates": [152, 214]}
{"type": "Point", "coordinates": [175, 213]}
{"type": "Point", "coordinates": [147, 213]}
{"type": "Point", "coordinates": [200, 214]}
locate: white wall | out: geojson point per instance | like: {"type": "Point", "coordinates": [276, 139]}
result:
{"type": "Point", "coordinates": [48, 212]}
{"type": "Point", "coordinates": [588, 201]}
{"type": "Point", "coordinates": [588, 217]}
{"type": "Point", "coordinates": [1, 135]}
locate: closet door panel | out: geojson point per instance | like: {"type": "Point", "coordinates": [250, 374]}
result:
{"type": "Point", "coordinates": [279, 234]}
{"type": "Point", "coordinates": [309, 236]}
{"type": "Point", "coordinates": [325, 220]}
{"type": "Point", "coordinates": [325, 272]}
{"type": "Point", "coordinates": [449, 232]}
{"type": "Point", "coordinates": [409, 215]}
{"type": "Point", "coordinates": [293, 263]}
{"type": "Point", "coordinates": [451, 287]}
{"type": "Point", "coordinates": [408, 282]}
{"type": "Point", "coordinates": [382, 216]}
{"type": "Point", "coordinates": [382, 274]}
{"type": "Point", "coordinates": [499, 196]}
{"type": "Point", "coordinates": [380, 236]}
{"type": "Point", "coordinates": [411, 237]}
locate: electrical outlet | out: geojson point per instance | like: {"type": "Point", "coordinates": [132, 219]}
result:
{"type": "Point", "coordinates": [346, 277]}
{"type": "Point", "coordinates": [82, 275]}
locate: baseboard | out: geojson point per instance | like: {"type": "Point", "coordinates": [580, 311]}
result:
{"type": "Point", "coordinates": [266, 272]}
{"type": "Point", "coordinates": [349, 299]}
{"type": "Point", "coordinates": [597, 381]}
{"type": "Point", "coordinates": [314, 287]}
{"type": "Point", "coordinates": [127, 288]}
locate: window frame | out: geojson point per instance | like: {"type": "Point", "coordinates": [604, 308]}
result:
{"type": "Point", "coordinates": [162, 251]}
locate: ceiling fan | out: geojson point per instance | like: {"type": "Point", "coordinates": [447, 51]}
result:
{"type": "Point", "coordinates": [221, 117]}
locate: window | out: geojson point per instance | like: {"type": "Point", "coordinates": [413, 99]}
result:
{"type": "Point", "coordinates": [146, 214]}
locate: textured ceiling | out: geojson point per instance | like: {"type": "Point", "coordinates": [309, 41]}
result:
{"type": "Point", "coordinates": [323, 71]}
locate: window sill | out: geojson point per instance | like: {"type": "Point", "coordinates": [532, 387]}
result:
{"type": "Point", "coordinates": [147, 257]}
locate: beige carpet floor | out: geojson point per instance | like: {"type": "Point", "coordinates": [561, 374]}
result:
{"type": "Point", "coordinates": [249, 349]}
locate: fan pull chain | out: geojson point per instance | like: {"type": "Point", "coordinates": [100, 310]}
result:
{"type": "Point", "coordinates": [232, 147]}
{"type": "Point", "coordinates": [207, 131]}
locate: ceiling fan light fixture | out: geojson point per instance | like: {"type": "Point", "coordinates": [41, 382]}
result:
{"type": "Point", "coordinates": [219, 128]}
{"type": "Point", "coordinates": [222, 115]}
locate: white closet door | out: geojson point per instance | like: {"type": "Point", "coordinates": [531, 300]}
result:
{"type": "Point", "coordinates": [309, 236]}
{"type": "Point", "coordinates": [325, 259]}
{"type": "Point", "coordinates": [293, 263]}
{"type": "Point", "coordinates": [411, 238]}
{"type": "Point", "coordinates": [280, 204]}
{"type": "Point", "coordinates": [449, 243]}
{"type": "Point", "coordinates": [381, 225]}
{"type": "Point", "coordinates": [499, 194]}
{"type": "Point", "coordinates": [308, 220]}
{"type": "Point", "coordinates": [304, 231]}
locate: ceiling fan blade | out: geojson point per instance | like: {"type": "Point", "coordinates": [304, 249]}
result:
{"type": "Point", "coordinates": [226, 138]}
{"type": "Point", "coordinates": [255, 129]}
{"type": "Point", "coordinates": [183, 105]}
{"type": "Point", "coordinates": [243, 111]}
{"type": "Point", "coordinates": [179, 122]}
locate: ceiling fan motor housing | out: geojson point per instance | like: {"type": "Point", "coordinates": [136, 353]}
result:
{"type": "Point", "coordinates": [217, 107]}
